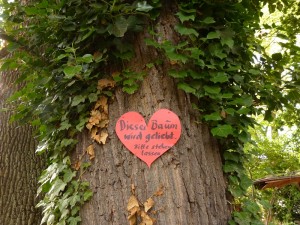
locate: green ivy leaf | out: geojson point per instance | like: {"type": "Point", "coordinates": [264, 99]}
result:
{"type": "Point", "coordinates": [213, 35]}
{"type": "Point", "coordinates": [71, 71]}
{"type": "Point", "coordinates": [178, 74]}
{"type": "Point", "coordinates": [213, 116]}
{"type": "Point", "coordinates": [143, 7]}
{"type": "Point", "coordinates": [87, 195]}
{"type": "Point", "coordinates": [68, 175]}
{"type": "Point", "coordinates": [185, 17]}
{"type": "Point", "coordinates": [57, 186]}
{"type": "Point", "coordinates": [187, 88]}
{"type": "Point", "coordinates": [212, 89]}
{"type": "Point", "coordinates": [208, 20]}
{"type": "Point", "coordinates": [78, 99]}
{"type": "Point", "coordinates": [219, 77]}
{"type": "Point", "coordinates": [74, 220]}
{"type": "Point", "coordinates": [185, 30]}
{"type": "Point", "coordinates": [119, 27]}
{"type": "Point", "coordinates": [222, 130]}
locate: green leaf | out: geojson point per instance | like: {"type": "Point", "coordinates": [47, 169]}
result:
{"type": "Point", "coordinates": [74, 220]}
{"type": "Point", "coordinates": [212, 89]}
{"type": "Point", "coordinates": [178, 74]}
{"type": "Point", "coordinates": [227, 41]}
{"type": "Point", "coordinates": [56, 188]}
{"type": "Point", "coordinates": [185, 30]}
{"type": "Point", "coordinates": [78, 99]}
{"type": "Point", "coordinates": [130, 89]}
{"type": "Point", "coordinates": [222, 130]}
{"type": "Point", "coordinates": [185, 17]}
{"type": "Point", "coordinates": [68, 175]}
{"type": "Point", "coordinates": [87, 195]}
{"type": "Point", "coordinates": [65, 125]}
{"type": "Point", "coordinates": [87, 58]}
{"type": "Point", "coordinates": [213, 116]}
{"type": "Point", "coordinates": [245, 100]}
{"type": "Point", "coordinates": [93, 97]}
{"type": "Point", "coordinates": [119, 27]}
{"type": "Point", "coordinates": [143, 7]}
{"type": "Point", "coordinates": [213, 35]}
{"type": "Point", "coordinates": [176, 57]}
{"type": "Point", "coordinates": [219, 77]}
{"type": "Point", "coordinates": [71, 71]}
{"type": "Point", "coordinates": [187, 88]}
{"type": "Point", "coordinates": [208, 20]}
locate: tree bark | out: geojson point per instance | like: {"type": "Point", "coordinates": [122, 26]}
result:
{"type": "Point", "coordinates": [194, 187]}
{"type": "Point", "coordinates": [19, 166]}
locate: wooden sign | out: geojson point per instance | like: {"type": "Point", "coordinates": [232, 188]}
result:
{"type": "Point", "coordinates": [148, 142]}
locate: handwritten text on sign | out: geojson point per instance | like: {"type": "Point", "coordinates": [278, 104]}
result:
{"type": "Point", "coordinates": [148, 142]}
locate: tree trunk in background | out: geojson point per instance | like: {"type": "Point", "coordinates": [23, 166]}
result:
{"type": "Point", "coordinates": [190, 172]}
{"type": "Point", "coordinates": [19, 166]}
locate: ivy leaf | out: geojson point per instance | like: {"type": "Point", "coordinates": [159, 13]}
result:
{"type": "Point", "coordinates": [227, 41]}
{"type": "Point", "coordinates": [143, 7]}
{"type": "Point", "coordinates": [187, 88]}
{"type": "Point", "coordinates": [213, 35]}
{"type": "Point", "coordinates": [185, 17]}
{"type": "Point", "coordinates": [77, 100]}
{"type": "Point", "coordinates": [178, 74]}
{"type": "Point", "coordinates": [222, 130]}
{"type": "Point", "coordinates": [208, 20]}
{"type": "Point", "coordinates": [213, 116]}
{"type": "Point", "coordinates": [212, 89]}
{"type": "Point", "coordinates": [87, 195]}
{"type": "Point", "coordinates": [220, 77]}
{"type": "Point", "coordinates": [71, 71]}
{"type": "Point", "coordinates": [74, 220]}
{"type": "Point", "coordinates": [119, 27]}
{"type": "Point", "coordinates": [186, 31]}
{"type": "Point", "coordinates": [57, 186]}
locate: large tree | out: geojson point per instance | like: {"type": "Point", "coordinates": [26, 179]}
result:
{"type": "Point", "coordinates": [20, 167]}
{"type": "Point", "coordinates": [86, 63]}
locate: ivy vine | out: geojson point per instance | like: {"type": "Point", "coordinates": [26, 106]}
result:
{"type": "Point", "coordinates": [63, 48]}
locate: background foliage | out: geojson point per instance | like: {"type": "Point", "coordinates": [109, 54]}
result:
{"type": "Point", "coordinates": [63, 48]}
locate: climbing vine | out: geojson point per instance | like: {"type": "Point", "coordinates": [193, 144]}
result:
{"type": "Point", "coordinates": [71, 54]}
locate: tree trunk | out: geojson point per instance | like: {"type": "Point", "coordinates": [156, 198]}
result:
{"type": "Point", "coordinates": [19, 166]}
{"type": "Point", "coordinates": [194, 187]}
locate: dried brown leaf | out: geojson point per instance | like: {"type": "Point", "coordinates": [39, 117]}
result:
{"type": "Point", "coordinates": [90, 151]}
{"type": "Point", "coordinates": [146, 219]}
{"type": "Point", "coordinates": [103, 123]}
{"type": "Point", "coordinates": [102, 101]}
{"type": "Point", "coordinates": [159, 192]}
{"type": "Point", "coordinates": [223, 114]}
{"type": "Point", "coordinates": [77, 165]}
{"type": "Point", "coordinates": [103, 137]}
{"type": "Point", "coordinates": [104, 83]}
{"type": "Point", "coordinates": [132, 202]}
{"type": "Point", "coordinates": [89, 126]}
{"type": "Point", "coordinates": [148, 204]}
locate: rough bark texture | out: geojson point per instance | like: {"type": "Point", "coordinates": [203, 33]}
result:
{"type": "Point", "coordinates": [190, 172]}
{"type": "Point", "coordinates": [19, 166]}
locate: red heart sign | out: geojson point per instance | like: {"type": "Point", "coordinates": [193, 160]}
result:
{"type": "Point", "coordinates": [148, 142]}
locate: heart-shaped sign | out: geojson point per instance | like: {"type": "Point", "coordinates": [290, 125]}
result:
{"type": "Point", "coordinates": [148, 142]}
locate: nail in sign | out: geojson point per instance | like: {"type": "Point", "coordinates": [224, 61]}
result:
{"type": "Point", "coordinates": [148, 142]}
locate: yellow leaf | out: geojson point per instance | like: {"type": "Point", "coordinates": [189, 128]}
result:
{"type": "Point", "coordinates": [159, 192]}
{"type": "Point", "coordinates": [148, 204]}
{"type": "Point", "coordinates": [104, 83]}
{"type": "Point", "coordinates": [146, 219]}
{"type": "Point", "coordinates": [132, 202]}
{"type": "Point", "coordinates": [103, 123]}
{"type": "Point", "coordinates": [89, 126]}
{"type": "Point", "coordinates": [103, 137]}
{"type": "Point", "coordinates": [77, 165]}
{"type": "Point", "coordinates": [90, 151]}
{"type": "Point", "coordinates": [102, 101]}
